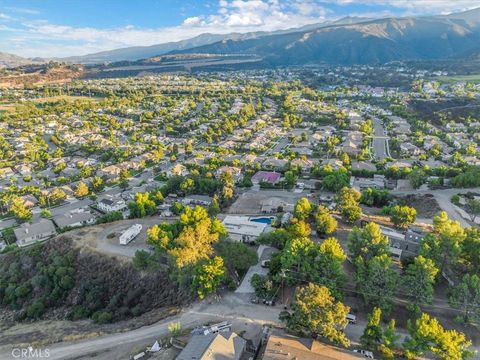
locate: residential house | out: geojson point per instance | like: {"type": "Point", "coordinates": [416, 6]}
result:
{"type": "Point", "coordinates": [408, 149]}
{"type": "Point", "coordinates": [74, 219]}
{"type": "Point", "coordinates": [222, 345]}
{"type": "Point", "coordinates": [275, 164]}
{"type": "Point", "coordinates": [203, 200]}
{"type": "Point", "coordinates": [110, 204]}
{"type": "Point", "coordinates": [241, 228]}
{"type": "Point", "coordinates": [6, 173]}
{"type": "Point", "coordinates": [177, 170]}
{"type": "Point", "coordinates": [363, 166]}
{"type": "Point", "coordinates": [24, 169]}
{"type": "Point", "coordinates": [234, 171]}
{"type": "Point", "coordinates": [270, 177]}
{"type": "Point", "coordinates": [273, 204]}
{"type": "Point", "coordinates": [352, 143]}
{"type": "Point", "coordinates": [289, 347]}
{"type": "Point", "coordinates": [26, 234]}
{"type": "Point", "coordinates": [408, 244]}
{"type": "Point", "coordinates": [377, 182]}
{"type": "Point", "coordinates": [304, 164]}
{"type": "Point", "coordinates": [111, 172]}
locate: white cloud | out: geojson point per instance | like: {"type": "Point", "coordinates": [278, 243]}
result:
{"type": "Point", "coordinates": [41, 38]}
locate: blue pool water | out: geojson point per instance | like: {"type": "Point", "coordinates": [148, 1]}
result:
{"type": "Point", "coordinates": [263, 220]}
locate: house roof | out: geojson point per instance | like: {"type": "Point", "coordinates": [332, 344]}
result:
{"type": "Point", "coordinates": [69, 219]}
{"type": "Point", "coordinates": [287, 347]}
{"type": "Point", "coordinates": [242, 225]}
{"type": "Point", "coordinates": [220, 346]}
{"type": "Point", "coordinates": [268, 176]}
{"type": "Point", "coordinates": [26, 230]}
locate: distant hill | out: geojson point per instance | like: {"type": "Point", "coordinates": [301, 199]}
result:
{"type": "Point", "coordinates": [142, 52]}
{"type": "Point", "coordinates": [10, 60]}
{"type": "Point", "coordinates": [366, 42]}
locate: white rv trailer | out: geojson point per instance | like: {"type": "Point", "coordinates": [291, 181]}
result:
{"type": "Point", "coordinates": [130, 234]}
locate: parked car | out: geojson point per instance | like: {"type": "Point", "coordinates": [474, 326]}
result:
{"type": "Point", "coordinates": [365, 353]}
{"type": "Point", "coordinates": [352, 319]}
{"type": "Point", "coordinates": [269, 302]}
{"type": "Point", "coordinates": [255, 300]}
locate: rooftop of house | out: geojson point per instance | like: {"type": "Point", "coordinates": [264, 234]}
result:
{"type": "Point", "coordinates": [220, 346]}
{"type": "Point", "coordinates": [288, 347]}
{"type": "Point", "coordinates": [27, 230]}
{"type": "Point", "coordinates": [269, 176]}
{"type": "Point", "coordinates": [64, 220]}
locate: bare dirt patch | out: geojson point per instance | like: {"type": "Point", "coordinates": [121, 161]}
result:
{"type": "Point", "coordinates": [426, 205]}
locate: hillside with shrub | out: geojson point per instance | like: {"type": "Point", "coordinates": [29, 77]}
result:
{"type": "Point", "coordinates": [57, 280]}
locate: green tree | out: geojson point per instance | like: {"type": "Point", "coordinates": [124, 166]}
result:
{"type": "Point", "coordinates": [208, 276]}
{"type": "Point", "coordinates": [19, 210]}
{"type": "Point", "coordinates": [418, 282]}
{"type": "Point", "coordinates": [328, 260]}
{"type": "Point", "coordinates": [445, 245]}
{"type": "Point", "coordinates": [315, 312]}
{"type": "Point", "coordinates": [367, 242]}
{"type": "Point", "coordinates": [336, 181]}
{"type": "Point", "coordinates": [290, 178]}
{"type": "Point", "coordinates": [187, 186]}
{"type": "Point", "coordinates": [417, 178]}
{"type": "Point", "coordinates": [97, 184]}
{"type": "Point", "coordinates": [303, 209]}
{"type": "Point", "coordinates": [214, 208]}
{"type": "Point", "coordinates": [296, 254]}
{"type": "Point", "coordinates": [389, 341]}
{"type": "Point", "coordinates": [402, 216]}
{"type": "Point", "coordinates": [377, 281]}
{"type": "Point", "coordinates": [46, 213]}
{"type": "Point", "coordinates": [237, 256]}
{"type": "Point", "coordinates": [325, 223]}
{"type": "Point", "coordinates": [373, 333]}
{"type": "Point", "coordinates": [466, 297]}
{"type": "Point", "coordinates": [142, 206]}
{"type": "Point", "coordinates": [473, 208]}
{"type": "Point", "coordinates": [159, 236]}
{"type": "Point", "coordinates": [348, 204]}
{"type": "Point", "coordinates": [470, 253]}
{"type": "Point", "coordinates": [124, 174]}
{"type": "Point", "coordinates": [427, 335]}
{"type": "Point", "coordinates": [81, 190]}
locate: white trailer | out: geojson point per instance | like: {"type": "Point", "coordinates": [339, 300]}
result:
{"type": "Point", "coordinates": [130, 234]}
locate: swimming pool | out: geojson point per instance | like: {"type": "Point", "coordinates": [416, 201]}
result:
{"type": "Point", "coordinates": [263, 220]}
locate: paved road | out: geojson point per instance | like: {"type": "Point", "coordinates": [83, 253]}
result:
{"type": "Point", "coordinates": [233, 308]}
{"type": "Point", "coordinates": [380, 140]}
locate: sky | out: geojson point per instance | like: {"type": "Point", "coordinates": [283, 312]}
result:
{"type": "Point", "coordinates": [57, 28]}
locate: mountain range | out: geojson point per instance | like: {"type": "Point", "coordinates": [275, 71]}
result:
{"type": "Point", "coordinates": [368, 42]}
{"type": "Point", "coordinates": [348, 41]}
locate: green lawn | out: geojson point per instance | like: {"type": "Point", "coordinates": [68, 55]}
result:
{"type": "Point", "coordinates": [452, 79]}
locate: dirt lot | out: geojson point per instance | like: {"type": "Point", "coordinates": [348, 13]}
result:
{"type": "Point", "coordinates": [250, 202]}
{"type": "Point", "coordinates": [104, 237]}
{"type": "Point", "coordinates": [426, 205]}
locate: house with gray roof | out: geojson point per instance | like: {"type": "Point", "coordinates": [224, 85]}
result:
{"type": "Point", "coordinates": [74, 219]}
{"type": "Point", "coordinates": [41, 230]}
{"type": "Point", "coordinates": [220, 346]}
